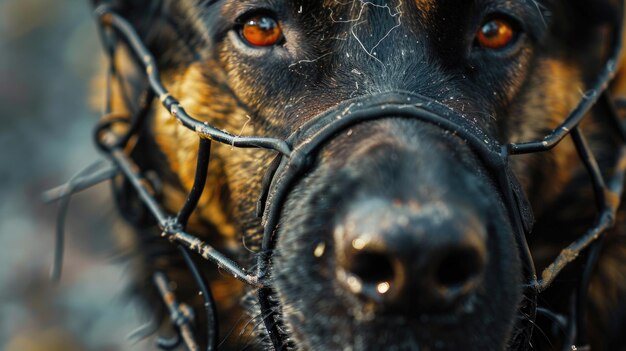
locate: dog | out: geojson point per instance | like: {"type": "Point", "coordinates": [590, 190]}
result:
{"type": "Point", "coordinates": [396, 237]}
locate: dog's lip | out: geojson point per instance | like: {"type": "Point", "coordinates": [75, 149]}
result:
{"type": "Point", "coordinates": [428, 330]}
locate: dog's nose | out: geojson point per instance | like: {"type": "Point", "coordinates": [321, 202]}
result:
{"type": "Point", "coordinates": [411, 256]}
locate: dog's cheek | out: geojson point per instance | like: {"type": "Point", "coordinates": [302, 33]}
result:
{"type": "Point", "coordinates": [264, 82]}
{"type": "Point", "coordinates": [281, 91]}
{"type": "Point", "coordinates": [550, 94]}
{"type": "Point", "coordinates": [234, 174]}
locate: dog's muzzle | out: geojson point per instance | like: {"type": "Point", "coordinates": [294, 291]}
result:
{"type": "Point", "coordinates": [287, 170]}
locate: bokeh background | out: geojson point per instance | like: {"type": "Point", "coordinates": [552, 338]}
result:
{"type": "Point", "coordinates": [49, 55]}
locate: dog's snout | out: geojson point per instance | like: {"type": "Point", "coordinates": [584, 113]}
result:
{"type": "Point", "coordinates": [408, 256]}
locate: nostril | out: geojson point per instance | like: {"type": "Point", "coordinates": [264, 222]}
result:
{"type": "Point", "coordinates": [459, 267]}
{"type": "Point", "coordinates": [372, 268]}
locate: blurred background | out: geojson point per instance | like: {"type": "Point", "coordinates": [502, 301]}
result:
{"type": "Point", "coordinates": [49, 54]}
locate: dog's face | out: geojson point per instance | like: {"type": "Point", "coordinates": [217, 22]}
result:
{"type": "Point", "coordinates": [397, 237]}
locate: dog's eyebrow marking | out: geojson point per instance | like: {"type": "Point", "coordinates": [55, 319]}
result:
{"type": "Point", "coordinates": [426, 6]}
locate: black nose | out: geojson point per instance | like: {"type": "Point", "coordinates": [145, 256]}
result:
{"type": "Point", "coordinates": [413, 256]}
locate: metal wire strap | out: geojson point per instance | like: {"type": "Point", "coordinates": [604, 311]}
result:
{"type": "Point", "coordinates": [294, 156]}
{"type": "Point", "coordinates": [181, 315]}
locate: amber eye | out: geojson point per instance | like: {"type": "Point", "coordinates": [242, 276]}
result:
{"type": "Point", "coordinates": [261, 31]}
{"type": "Point", "coordinates": [496, 34]}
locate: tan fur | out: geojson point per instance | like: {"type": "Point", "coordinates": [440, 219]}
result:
{"type": "Point", "coordinates": [561, 93]}
{"type": "Point", "coordinates": [426, 7]}
{"type": "Point", "coordinates": [205, 102]}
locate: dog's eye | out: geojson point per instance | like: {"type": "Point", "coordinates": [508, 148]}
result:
{"type": "Point", "coordinates": [261, 30]}
{"type": "Point", "coordinates": [496, 34]}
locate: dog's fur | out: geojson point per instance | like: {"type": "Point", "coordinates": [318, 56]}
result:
{"type": "Point", "coordinates": [335, 50]}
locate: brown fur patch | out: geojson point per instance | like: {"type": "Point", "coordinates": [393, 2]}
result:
{"type": "Point", "coordinates": [426, 7]}
{"type": "Point", "coordinates": [203, 101]}
{"type": "Point", "coordinates": [540, 111]}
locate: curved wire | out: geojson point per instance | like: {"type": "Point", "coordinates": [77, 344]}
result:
{"type": "Point", "coordinates": [588, 100]}
{"type": "Point", "coordinates": [204, 130]}
{"type": "Point", "coordinates": [207, 296]}
{"type": "Point", "coordinates": [59, 247]}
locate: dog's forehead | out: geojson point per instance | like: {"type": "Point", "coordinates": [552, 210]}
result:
{"type": "Point", "coordinates": [426, 6]}
{"type": "Point", "coordinates": [426, 11]}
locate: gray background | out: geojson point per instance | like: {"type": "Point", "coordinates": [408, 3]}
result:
{"type": "Point", "coordinates": [49, 55]}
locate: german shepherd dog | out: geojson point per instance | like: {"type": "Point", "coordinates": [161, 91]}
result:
{"type": "Point", "coordinates": [396, 237]}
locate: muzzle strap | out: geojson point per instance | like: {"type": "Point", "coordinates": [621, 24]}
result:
{"type": "Point", "coordinates": [313, 135]}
